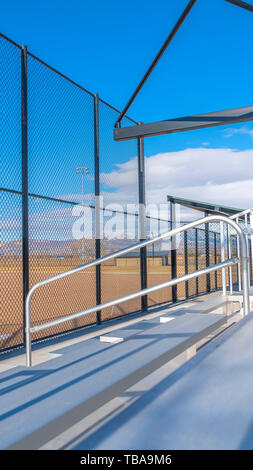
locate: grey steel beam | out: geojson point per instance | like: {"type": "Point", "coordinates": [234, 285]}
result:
{"type": "Point", "coordinates": [241, 4]}
{"type": "Point", "coordinates": [188, 123]}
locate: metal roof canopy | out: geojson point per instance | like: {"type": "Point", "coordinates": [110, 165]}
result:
{"type": "Point", "coordinates": [205, 207]}
{"type": "Point", "coordinates": [201, 121]}
{"type": "Point", "coordinates": [188, 123]}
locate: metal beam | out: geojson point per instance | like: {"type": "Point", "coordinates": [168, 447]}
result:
{"type": "Point", "coordinates": [156, 59]}
{"type": "Point", "coordinates": [188, 123]}
{"type": "Point", "coordinates": [241, 4]}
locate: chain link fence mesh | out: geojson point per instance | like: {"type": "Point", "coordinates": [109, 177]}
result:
{"type": "Point", "coordinates": [119, 192]}
{"type": "Point", "coordinates": [11, 290]}
{"type": "Point", "coordinates": [10, 115]}
{"type": "Point", "coordinates": [60, 140]}
{"type": "Point", "coordinates": [11, 287]}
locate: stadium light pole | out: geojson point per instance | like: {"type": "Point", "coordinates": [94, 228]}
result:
{"type": "Point", "coordinates": [82, 171]}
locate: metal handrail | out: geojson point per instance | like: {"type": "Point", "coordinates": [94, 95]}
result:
{"type": "Point", "coordinates": [171, 233]}
{"type": "Point", "coordinates": [240, 214]}
{"type": "Point", "coordinates": [248, 222]}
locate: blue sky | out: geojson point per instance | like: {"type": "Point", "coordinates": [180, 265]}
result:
{"type": "Point", "coordinates": [106, 46]}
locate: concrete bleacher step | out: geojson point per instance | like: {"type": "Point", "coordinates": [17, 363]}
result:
{"type": "Point", "coordinates": [205, 405]}
{"type": "Point", "coordinates": [205, 307]}
{"type": "Point", "coordinates": [223, 302]}
{"type": "Point", "coordinates": [94, 378]}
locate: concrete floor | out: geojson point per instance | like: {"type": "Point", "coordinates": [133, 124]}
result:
{"type": "Point", "coordinates": [43, 352]}
{"type": "Point", "coordinates": [23, 396]}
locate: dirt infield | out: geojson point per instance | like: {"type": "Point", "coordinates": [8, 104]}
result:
{"type": "Point", "coordinates": [76, 293]}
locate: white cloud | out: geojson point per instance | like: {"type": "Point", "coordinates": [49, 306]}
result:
{"type": "Point", "coordinates": [230, 132]}
{"type": "Point", "coordinates": [221, 176]}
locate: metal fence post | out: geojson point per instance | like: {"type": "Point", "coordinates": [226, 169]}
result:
{"type": "Point", "coordinates": [222, 242]}
{"type": "Point", "coordinates": [230, 273]}
{"type": "Point", "coordinates": [247, 238]}
{"type": "Point", "coordinates": [97, 204]}
{"type": "Point", "coordinates": [25, 209]}
{"type": "Point", "coordinates": [142, 219]}
{"type": "Point", "coordinates": [251, 242]}
{"type": "Point", "coordinates": [186, 263]}
{"type": "Point", "coordinates": [207, 246]}
{"type": "Point", "coordinates": [239, 279]}
{"type": "Point", "coordinates": [215, 259]}
{"type": "Point", "coordinates": [196, 259]}
{"type": "Point", "coordinates": [173, 251]}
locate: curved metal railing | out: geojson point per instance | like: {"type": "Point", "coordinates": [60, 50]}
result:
{"type": "Point", "coordinates": [171, 233]}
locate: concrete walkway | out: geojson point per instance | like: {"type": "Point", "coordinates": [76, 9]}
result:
{"type": "Point", "coordinates": [80, 389]}
{"type": "Point", "coordinates": [205, 404]}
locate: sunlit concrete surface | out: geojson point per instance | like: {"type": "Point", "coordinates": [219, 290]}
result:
{"type": "Point", "coordinates": [74, 385]}
{"type": "Point", "coordinates": [205, 404]}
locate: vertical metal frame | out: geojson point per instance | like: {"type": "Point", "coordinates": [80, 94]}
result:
{"type": "Point", "coordinates": [186, 264]}
{"type": "Point", "coordinates": [207, 247]}
{"type": "Point", "coordinates": [142, 219]}
{"type": "Point", "coordinates": [239, 264]}
{"type": "Point", "coordinates": [25, 203]}
{"type": "Point", "coordinates": [230, 274]}
{"type": "Point", "coordinates": [251, 243]}
{"type": "Point", "coordinates": [215, 259]}
{"type": "Point", "coordinates": [196, 259]}
{"type": "Point", "coordinates": [222, 243]}
{"type": "Point", "coordinates": [97, 204]}
{"type": "Point", "coordinates": [173, 251]}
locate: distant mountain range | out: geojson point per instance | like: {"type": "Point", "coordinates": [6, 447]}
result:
{"type": "Point", "coordinates": [74, 247]}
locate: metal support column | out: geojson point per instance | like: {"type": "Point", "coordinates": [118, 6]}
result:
{"type": "Point", "coordinates": [238, 255]}
{"type": "Point", "coordinates": [197, 259]}
{"type": "Point", "coordinates": [230, 274]}
{"type": "Point", "coordinates": [208, 283]}
{"type": "Point", "coordinates": [97, 204]}
{"type": "Point", "coordinates": [251, 242]}
{"type": "Point", "coordinates": [142, 219]}
{"type": "Point", "coordinates": [222, 242]}
{"type": "Point", "coordinates": [215, 259]}
{"type": "Point", "coordinates": [247, 238]}
{"type": "Point", "coordinates": [25, 211]}
{"type": "Point", "coordinates": [173, 251]}
{"type": "Point", "coordinates": [186, 263]}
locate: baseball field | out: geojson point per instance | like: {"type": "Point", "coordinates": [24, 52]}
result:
{"type": "Point", "coordinates": [78, 292]}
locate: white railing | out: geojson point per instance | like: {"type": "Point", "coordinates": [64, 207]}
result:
{"type": "Point", "coordinates": [245, 220]}
{"type": "Point", "coordinates": [171, 233]}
